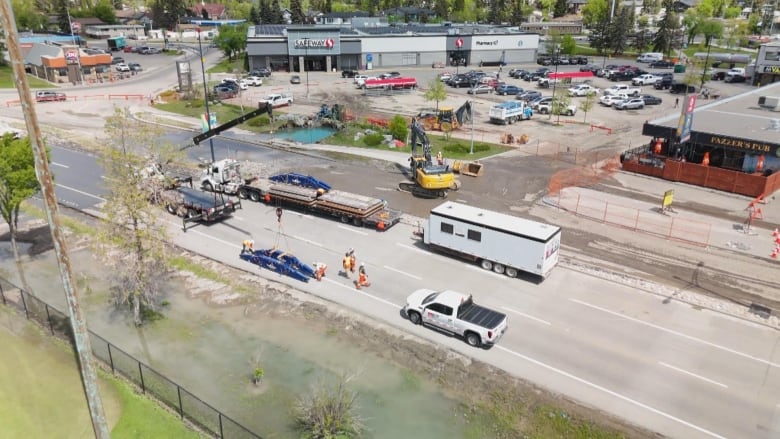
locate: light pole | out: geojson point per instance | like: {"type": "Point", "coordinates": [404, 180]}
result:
{"type": "Point", "coordinates": [556, 55]}
{"type": "Point", "coordinates": [78, 46]}
{"type": "Point", "coordinates": [471, 151]}
{"type": "Point", "coordinates": [306, 40]}
{"type": "Point", "coordinates": [206, 95]}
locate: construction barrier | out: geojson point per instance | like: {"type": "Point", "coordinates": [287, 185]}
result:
{"type": "Point", "coordinates": [126, 97]}
{"type": "Point", "coordinates": [645, 221]}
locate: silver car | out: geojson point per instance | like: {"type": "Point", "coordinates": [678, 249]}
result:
{"type": "Point", "coordinates": [480, 89]}
{"type": "Point", "coordinates": [630, 104]}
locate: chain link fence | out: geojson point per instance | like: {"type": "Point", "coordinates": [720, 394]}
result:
{"type": "Point", "coordinates": [179, 399]}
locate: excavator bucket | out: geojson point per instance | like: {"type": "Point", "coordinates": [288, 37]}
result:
{"type": "Point", "coordinates": [472, 169]}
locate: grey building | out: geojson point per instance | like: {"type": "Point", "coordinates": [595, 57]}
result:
{"type": "Point", "coordinates": [326, 48]}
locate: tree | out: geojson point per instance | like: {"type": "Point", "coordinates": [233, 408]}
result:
{"type": "Point", "coordinates": [131, 238]}
{"type": "Point", "coordinates": [254, 15]}
{"type": "Point", "coordinates": [166, 13]}
{"type": "Point", "coordinates": [296, 9]}
{"type": "Point", "coordinates": [104, 10]}
{"type": "Point", "coordinates": [435, 92]}
{"type": "Point", "coordinates": [277, 15]}
{"type": "Point", "coordinates": [667, 29]}
{"type": "Point", "coordinates": [18, 182]}
{"type": "Point", "coordinates": [711, 29]}
{"type": "Point", "coordinates": [398, 127]}
{"type": "Point", "coordinates": [497, 11]}
{"type": "Point", "coordinates": [619, 30]}
{"type": "Point", "coordinates": [587, 104]}
{"type": "Point", "coordinates": [63, 22]}
{"type": "Point", "coordinates": [561, 8]}
{"type": "Point", "coordinates": [231, 40]}
{"type": "Point", "coordinates": [595, 15]}
{"type": "Point", "coordinates": [27, 15]}
{"type": "Point", "coordinates": [568, 44]}
{"type": "Point", "coordinates": [442, 7]}
{"type": "Point", "coordinates": [516, 15]}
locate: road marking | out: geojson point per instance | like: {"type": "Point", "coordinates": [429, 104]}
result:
{"type": "Point", "coordinates": [692, 374]}
{"type": "Point", "coordinates": [402, 272]}
{"type": "Point", "coordinates": [418, 250]}
{"type": "Point", "coordinates": [237, 217]}
{"type": "Point", "coordinates": [353, 289]}
{"type": "Point", "coordinates": [60, 165]}
{"type": "Point", "coordinates": [306, 240]}
{"type": "Point", "coordinates": [527, 316]}
{"type": "Point", "coordinates": [353, 230]}
{"type": "Point", "coordinates": [610, 392]}
{"type": "Point", "coordinates": [197, 232]}
{"type": "Point", "coordinates": [79, 192]}
{"type": "Point", "coordinates": [679, 334]}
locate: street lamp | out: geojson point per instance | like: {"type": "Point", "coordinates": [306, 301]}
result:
{"type": "Point", "coordinates": [306, 48]}
{"type": "Point", "coordinates": [206, 95]}
{"type": "Point", "coordinates": [556, 56]}
{"type": "Point", "coordinates": [471, 151]}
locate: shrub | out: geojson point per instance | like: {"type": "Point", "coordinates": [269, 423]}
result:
{"type": "Point", "coordinates": [259, 121]}
{"type": "Point", "coordinates": [465, 149]}
{"type": "Point", "coordinates": [398, 127]}
{"type": "Point", "coordinates": [329, 412]}
{"type": "Point", "coordinates": [373, 139]}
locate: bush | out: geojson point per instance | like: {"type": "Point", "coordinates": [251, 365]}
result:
{"type": "Point", "coordinates": [465, 149]}
{"type": "Point", "coordinates": [329, 412]}
{"type": "Point", "coordinates": [398, 127]}
{"type": "Point", "coordinates": [373, 139]}
{"type": "Point", "coordinates": [261, 121]}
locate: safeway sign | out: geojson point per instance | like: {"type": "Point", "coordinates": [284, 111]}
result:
{"type": "Point", "coordinates": [324, 43]}
{"type": "Point", "coordinates": [459, 43]}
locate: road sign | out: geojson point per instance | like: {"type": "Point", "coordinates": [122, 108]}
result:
{"type": "Point", "coordinates": [369, 57]}
{"type": "Point", "coordinates": [459, 43]}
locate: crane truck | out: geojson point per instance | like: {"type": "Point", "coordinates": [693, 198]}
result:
{"type": "Point", "coordinates": [429, 180]}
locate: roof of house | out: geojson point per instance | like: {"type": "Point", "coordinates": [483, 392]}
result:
{"type": "Point", "coordinates": [345, 14]}
{"type": "Point", "coordinates": [214, 10]}
{"type": "Point", "coordinates": [410, 10]}
{"type": "Point", "coordinates": [88, 21]}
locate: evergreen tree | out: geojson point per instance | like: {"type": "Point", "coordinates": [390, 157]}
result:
{"type": "Point", "coordinates": [62, 16]}
{"type": "Point", "coordinates": [254, 15]}
{"type": "Point", "coordinates": [166, 13]}
{"type": "Point", "coordinates": [516, 17]}
{"type": "Point", "coordinates": [460, 5]}
{"type": "Point", "coordinates": [667, 29]}
{"type": "Point", "coordinates": [328, 8]}
{"type": "Point", "coordinates": [618, 31]}
{"type": "Point", "coordinates": [266, 15]}
{"type": "Point", "coordinates": [296, 8]}
{"type": "Point", "coordinates": [496, 13]}
{"type": "Point", "coordinates": [561, 8]}
{"type": "Point", "coordinates": [441, 8]}
{"type": "Point", "coordinates": [277, 15]}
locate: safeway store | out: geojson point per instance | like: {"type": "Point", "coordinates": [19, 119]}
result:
{"type": "Point", "coordinates": [316, 48]}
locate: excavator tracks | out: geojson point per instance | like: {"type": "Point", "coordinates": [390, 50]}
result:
{"type": "Point", "coordinates": [417, 191]}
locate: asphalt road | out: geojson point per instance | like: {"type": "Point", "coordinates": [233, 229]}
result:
{"type": "Point", "coordinates": [669, 367]}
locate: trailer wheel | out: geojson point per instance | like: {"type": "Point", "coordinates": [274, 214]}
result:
{"type": "Point", "coordinates": [511, 272]}
{"type": "Point", "coordinates": [415, 317]}
{"type": "Point", "coordinates": [243, 193]}
{"type": "Point", "coordinates": [357, 222]}
{"type": "Point", "coordinates": [344, 219]}
{"type": "Point", "coordinates": [191, 213]}
{"type": "Point", "coordinates": [207, 187]}
{"type": "Point", "coordinates": [169, 207]}
{"type": "Point", "coordinates": [498, 268]}
{"type": "Point", "coordinates": [473, 339]}
{"type": "Point", "coordinates": [487, 265]}
{"type": "Point", "coordinates": [254, 196]}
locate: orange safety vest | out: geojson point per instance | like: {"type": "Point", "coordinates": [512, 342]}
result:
{"type": "Point", "coordinates": [347, 262]}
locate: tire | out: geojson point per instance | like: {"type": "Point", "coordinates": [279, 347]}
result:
{"type": "Point", "coordinates": [498, 268]}
{"type": "Point", "coordinates": [243, 193]}
{"type": "Point", "coordinates": [191, 213]}
{"type": "Point", "coordinates": [169, 207]}
{"type": "Point", "coordinates": [415, 317]}
{"type": "Point", "coordinates": [358, 222]}
{"type": "Point", "coordinates": [473, 340]}
{"type": "Point", "coordinates": [344, 219]}
{"type": "Point", "coordinates": [254, 196]}
{"type": "Point", "coordinates": [207, 186]}
{"type": "Point", "coordinates": [486, 265]}
{"type": "Point", "coordinates": [510, 272]}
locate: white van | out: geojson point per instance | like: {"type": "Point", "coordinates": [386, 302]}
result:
{"type": "Point", "coordinates": [650, 57]}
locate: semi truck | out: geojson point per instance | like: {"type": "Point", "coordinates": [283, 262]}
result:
{"type": "Point", "coordinates": [300, 192]}
{"type": "Point", "coordinates": [456, 313]}
{"type": "Point", "coordinates": [116, 44]}
{"type": "Point", "coordinates": [509, 112]}
{"type": "Point", "coordinates": [499, 242]}
{"type": "Point", "coordinates": [193, 205]}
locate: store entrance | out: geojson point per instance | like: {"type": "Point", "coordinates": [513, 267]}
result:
{"type": "Point", "coordinates": [311, 64]}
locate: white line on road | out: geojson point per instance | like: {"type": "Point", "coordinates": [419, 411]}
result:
{"type": "Point", "coordinates": [418, 250]}
{"type": "Point", "coordinates": [679, 334]}
{"type": "Point", "coordinates": [307, 241]}
{"type": "Point", "coordinates": [402, 272]}
{"type": "Point", "coordinates": [60, 165]}
{"type": "Point", "coordinates": [693, 374]}
{"type": "Point", "coordinates": [353, 289]}
{"type": "Point", "coordinates": [79, 192]}
{"type": "Point", "coordinates": [610, 392]}
{"type": "Point", "coordinates": [353, 230]}
{"type": "Point", "coordinates": [527, 316]}
{"type": "Point", "coordinates": [197, 232]}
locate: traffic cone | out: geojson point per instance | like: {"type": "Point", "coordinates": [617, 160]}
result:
{"type": "Point", "coordinates": [775, 252]}
{"type": "Point", "coordinates": [776, 234]}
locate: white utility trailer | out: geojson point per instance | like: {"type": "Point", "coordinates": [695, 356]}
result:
{"type": "Point", "coordinates": [496, 241]}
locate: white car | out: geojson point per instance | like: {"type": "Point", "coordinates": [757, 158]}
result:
{"type": "Point", "coordinates": [583, 90]}
{"type": "Point", "coordinates": [444, 77]}
{"type": "Point", "coordinates": [359, 78]}
{"type": "Point", "coordinates": [629, 104]}
{"type": "Point", "coordinates": [122, 67]}
{"type": "Point", "coordinates": [646, 79]}
{"type": "Point", "coordinates": [610, 100]}
{"type": "Point", "coordinates": [254, 81]}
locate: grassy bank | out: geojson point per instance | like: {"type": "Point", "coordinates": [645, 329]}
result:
{"type": "Point", "coordinates": [7, 80]}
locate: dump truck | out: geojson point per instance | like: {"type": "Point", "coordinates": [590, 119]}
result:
{"type": "Point", "coordinates": [509, 112]}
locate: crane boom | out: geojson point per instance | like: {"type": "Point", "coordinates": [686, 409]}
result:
{"type": "Point", "coordinates": [263, 108]}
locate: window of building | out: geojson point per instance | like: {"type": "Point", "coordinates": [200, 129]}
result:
{"type": "Point", "coordinates": [447, 228]}
{"type": "Point", "coordinates": [475, 235]}
{"type": "Point", "coordinates": [772, 54]}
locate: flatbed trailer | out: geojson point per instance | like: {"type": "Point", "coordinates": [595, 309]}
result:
{"type": "Point", "coordinates": [359, 210]}
{"type": "Point", "coordinates": [193, 205]}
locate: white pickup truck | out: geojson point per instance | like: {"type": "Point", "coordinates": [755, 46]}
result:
{"type": "Point", "coordinates": [456, 313]}
{"type": "Point", "coordinates": [278, 100]}
{"type": "Point", "coordinates": [624, 89]}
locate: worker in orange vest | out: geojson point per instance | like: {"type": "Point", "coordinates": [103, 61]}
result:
{"type": "Point", "coordinates": [352, 260]}
{"type": "Point", "coordinates": [346, 263]}
{"type": "Point", "coordinates": [440, 158]}
{"type": "Point", "coordinates": [248, 246]}
{"type": "Point", "coordinates": [362, 280]}
{"type": "Point", "coordinates": [319, 270]}
{"type": "Point", "coordinates": [706, 160]}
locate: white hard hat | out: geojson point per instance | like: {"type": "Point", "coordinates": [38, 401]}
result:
{"type": "Point", "coordinates": [362, 264]}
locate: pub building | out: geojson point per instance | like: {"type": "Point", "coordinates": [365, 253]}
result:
{"type": "Point", "coordinates": [731, 144]}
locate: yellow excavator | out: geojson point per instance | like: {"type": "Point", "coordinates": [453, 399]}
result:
{"type": "Point", "coordinates": [429, 180]}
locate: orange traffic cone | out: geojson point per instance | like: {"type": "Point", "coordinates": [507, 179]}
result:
{"type": "Point", "coordinates": [776, 234]}
{"type": "Point", "coordinates": [773, 255]}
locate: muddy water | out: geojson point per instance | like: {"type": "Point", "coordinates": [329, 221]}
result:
{"type": "Point", "coordinates": [209, 351]}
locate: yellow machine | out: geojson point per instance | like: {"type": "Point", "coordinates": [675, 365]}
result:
{"type": "Point", "coordinates": [445, 118]}
{"type": "Point", "coordinates": [430, 180]}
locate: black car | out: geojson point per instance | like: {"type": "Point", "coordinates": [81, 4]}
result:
{"type": "Point", "coordinates": [117, 60]}
{"type": "Point", "coordinates": [349, 73]}
{"type": "Point", "coordinates": [517, 73]}
{"type": "Point", "coordinates": [263, 73]}
{"type": "Point", "coordinates": [718, 76]}
{"type": "Point", "coordinates": [581, 60]}
{"type": "Point", "coordinates": [590, 68]}
{"type": "Point", "coordinates": [625, 75]}
{"type": "Point", "coordinates": [651, 100]}
{"type": "Point", "coordinates": [459, 81]}
{"type": "Point", "coordinates": [661, 65]}
{"type": "Point", "coordinates": [544, 60]}
{"type": "Point", "coordinates": [734, 78]}
{"type": "Point", "coordinates": [681, 88]}
{"type": "Point", "coordinates": [664, 83]}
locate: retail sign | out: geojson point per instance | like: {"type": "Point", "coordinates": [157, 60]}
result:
{"type": "Point", "coordinates": [504, 42]}
{"type": "Point", "coordinates": [772, 69]}
{"type": "Point", "coordinates": [686, 118]}
{"type": "Point", "coordinates": [71, 55]}
{"type": "Point", "coordinates": [742, 144]}
{"type": "Point", "coordinates": [486, 43]}
{"type": "Point", "coordinates": [311, 43]}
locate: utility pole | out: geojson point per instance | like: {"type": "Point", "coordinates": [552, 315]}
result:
{"type": "Point", "coordinates": [77, 319]}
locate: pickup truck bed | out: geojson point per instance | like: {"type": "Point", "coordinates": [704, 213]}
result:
{"type": "Point", "coordinates": [480, 316]}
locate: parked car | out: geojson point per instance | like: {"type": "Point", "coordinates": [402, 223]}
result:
{"type": "Point", "coordinates": [254, 81]}
{"type": "Point", "coordinates": [556, 107]}
{"type": "Point", "coordinates": [295, 79]}
{"type": "Point", "coordinates": [610, 100]}
{"type": "Point", "coordinates": [224, 92]}
{"type": "Point", "coordinates": [734, 78]}
{"type": "Point", "coordinates": [480, 89]}
{"type": "Point", "coordinates": [348, 73]}
{"type": "Point", "coordinates": [529, 95]}
{"type": "Point", "coordinates": [240, 83]}
{"type": "Point", "coordinates": [718, 76]}
{"type": "Point", "coordinates": [544, 101]}
{"type": "Point", "coordinates": [117, 60]}
{"type": "Point", "coordinates": [263, 73]}
{"type": "Point", "coordinates": [661, 65]}
{"type": "Point", "coordinates": [517, 73]}
{"type": "Point", "coordinates": [652, 100]}
{"type": "Point", "coordinates": [590, 68]}
{"type": "Point", "coordinates": [135, 67]}
{"type": "Point", "coordinates": [583, 90]}
{"type": "Point", "coordinates": [444, 77]}
{"type": "Point", "coordinates": [508, 90]}
{"type": "Point", "coordinates": [49, 96]}
{"type": "Point", "coordinates": [646, 79]}
{"type": "Point", "coordinates": [122, 67]}
{"type": "Point", "coordinates": [680, 88]}
{"type": "Point", "coordinates": [664, 83]}
{"type": "Point", "coordinates": [459, 81]}
{"type": "Point", "coordinates": [630, 104]}
{"type": "Point", "coordinates": [578, 59]}
{"type": "Point", "coordinates": [625, 75]}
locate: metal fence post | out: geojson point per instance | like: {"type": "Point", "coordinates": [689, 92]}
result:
{"type": "Point", "coordinates": [221, 433]}
{"type": "Point", "coordinates": [24, 304]}
{"type": "Point", "coordinates": [110, 358]}
{"type": "Point", "coordinates": [48, 318]}
{"type": "Point", "coordinates": [181, 408]}
{"type": "Point", "coordinates": [2, 293]}
{"type": "Point", "coordinates": [141, 374]}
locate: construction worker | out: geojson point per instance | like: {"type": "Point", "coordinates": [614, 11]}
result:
{"type": "Point", "coordinates": [440, 158]}
{"type": "Point", "coordinates": [319, 270]}
{"type": "Point", "coordinates": [248, 246]}
{"type": "Point", "coordinates": [362, 280]}
{"type": "Point", "coordinates": [352, 261]}
{"type": "Point", "coordinates": [347, 264]}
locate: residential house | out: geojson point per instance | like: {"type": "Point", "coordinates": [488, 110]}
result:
{"type": "Point", "coordinates": [210, 11]}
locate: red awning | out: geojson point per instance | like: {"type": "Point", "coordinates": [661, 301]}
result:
{"type": "Point", "coordinates": [572, 75]}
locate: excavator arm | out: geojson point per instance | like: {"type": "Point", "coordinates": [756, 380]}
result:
{"type": "Point", "coordinates": [463, 114]}
{"type": "Point", "coordinates": [419, 132]}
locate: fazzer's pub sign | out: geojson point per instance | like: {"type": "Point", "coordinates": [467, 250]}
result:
{"type": "Point", "coordinates": [312, 43]}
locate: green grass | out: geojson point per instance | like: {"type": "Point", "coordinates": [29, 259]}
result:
{"type": "Point", "coordinates": [225, 113]}
{"type": "Point", "coordinates": [41, 394]}
{"type": "Point", "coordinates": [227, 66]}
{"type": "Point", "coordinates": [7, 81]}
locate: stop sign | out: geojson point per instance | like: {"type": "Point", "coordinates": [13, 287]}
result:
{"type": "Point", "coordinates": [459, 43]}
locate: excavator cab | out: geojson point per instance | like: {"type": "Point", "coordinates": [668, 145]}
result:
{"type": "Point", "coordinates": [430, 180]}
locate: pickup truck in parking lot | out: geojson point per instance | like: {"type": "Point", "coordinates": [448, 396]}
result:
{"type": "Point", "coordinates": [624, 89]}
{"type": "Point", "coordinates": [456, 313]}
